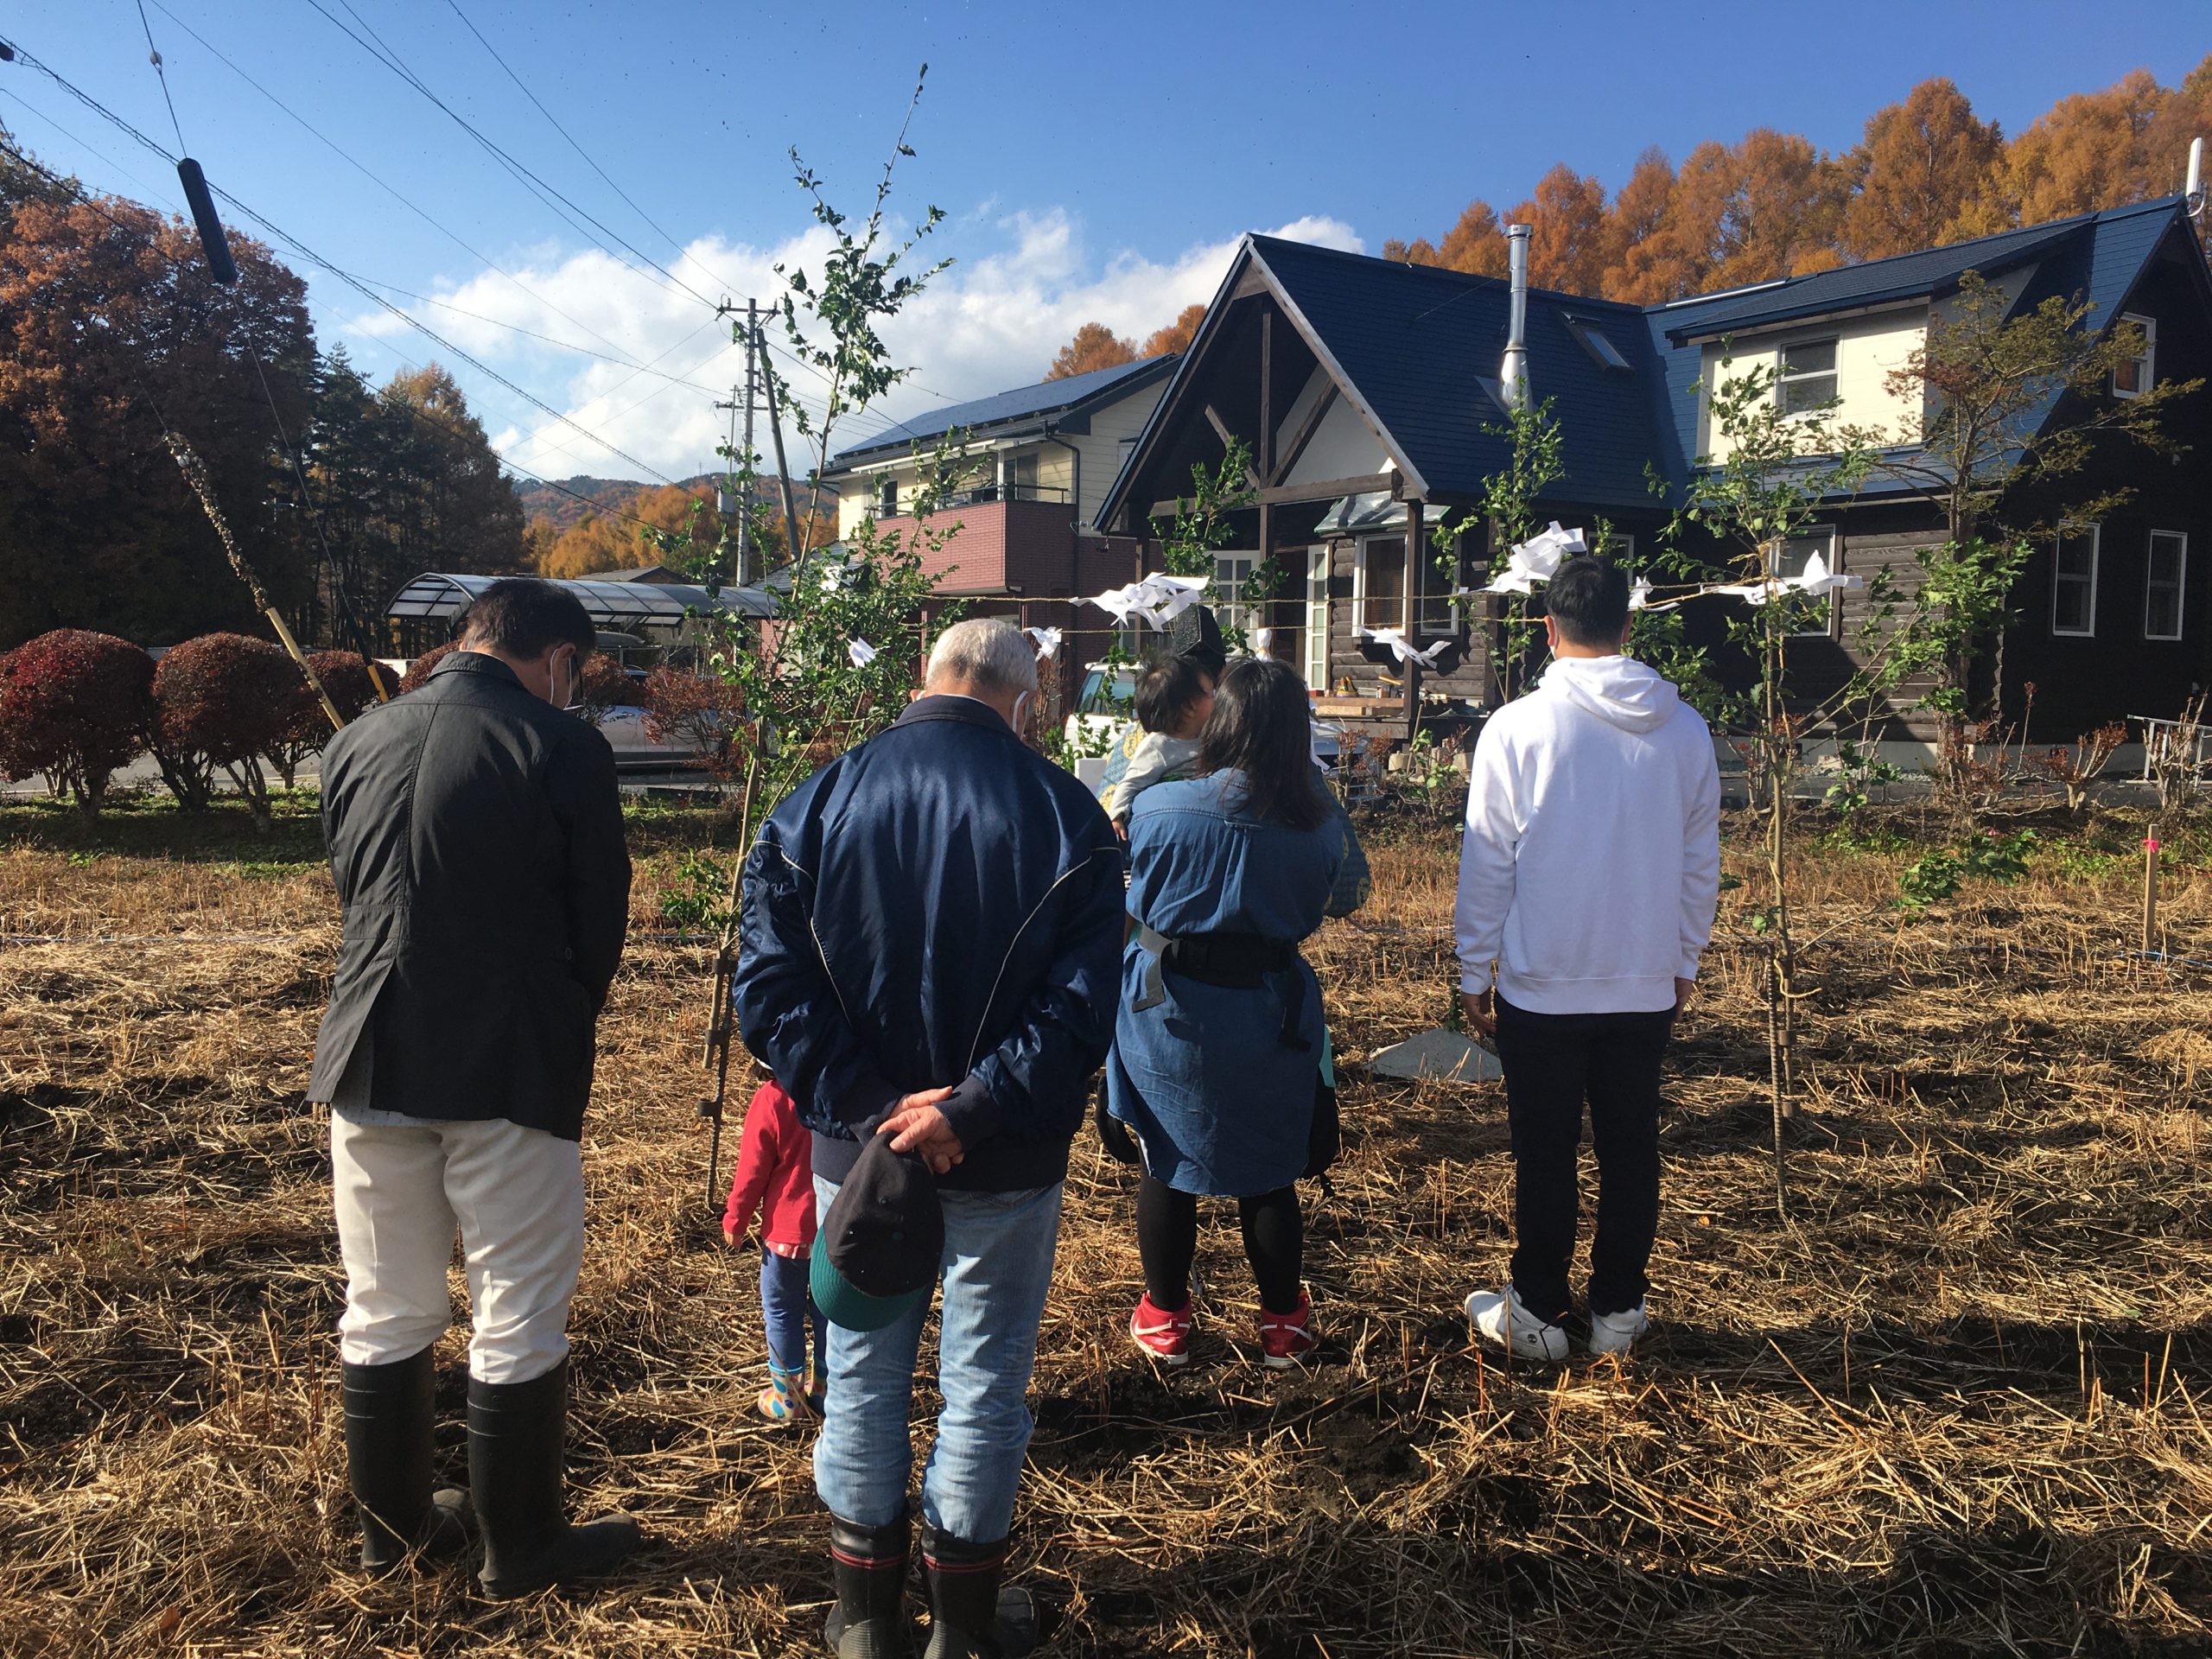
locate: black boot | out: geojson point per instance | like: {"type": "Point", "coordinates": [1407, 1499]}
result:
{"type": "Point", "coordinates": [869, 1566]}
{"type": "Point", "coordinates": [972, 1614]}
{"type": "Point", "coordinates": [515, 1433]}
{"type": "Point", "coordinates": [389, 1421]}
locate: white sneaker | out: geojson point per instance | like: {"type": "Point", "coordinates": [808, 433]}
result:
{"type": "Point", "coordinates": [1616, 1333]}
{"type": "Point", "coordinates": [1502, 1320]}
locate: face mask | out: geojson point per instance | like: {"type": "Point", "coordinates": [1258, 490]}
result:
{"type": "Point", "coordinates": [573, 702]}
{"type": "Point", "coordinates": [1021, 709]}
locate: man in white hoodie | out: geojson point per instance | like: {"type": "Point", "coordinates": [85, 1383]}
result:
{"type": "Point", "coordinates": [1587, 882]}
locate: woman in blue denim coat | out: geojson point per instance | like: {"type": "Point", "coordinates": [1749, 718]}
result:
{"type": "Point", "coordinates": [1218, 1040]}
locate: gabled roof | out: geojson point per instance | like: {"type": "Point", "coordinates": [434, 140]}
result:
{"type": "Point", "coordinates": [1066, 402]}
{"type": "Point", "coordinates": [1417, 347]}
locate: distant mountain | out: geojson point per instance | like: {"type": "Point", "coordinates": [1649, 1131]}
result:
{"type": "Point", "coordinates": [545, 502]}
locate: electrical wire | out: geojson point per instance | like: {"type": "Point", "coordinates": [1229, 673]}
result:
{"type": "Point", "coordinates": [873, 421]}
{"type": "Point", "coordinates": [390, 189]}
{"type": "Point", "coordinates": [545, 192]}
{"type": "Point", "coordinates": [154, 55]}
{"type": "Point", "coordinates": [681, 247]}
{"type": "Point", "coordinates": [415, 411]}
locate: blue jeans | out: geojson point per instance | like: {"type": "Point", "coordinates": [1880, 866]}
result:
{"type": "Point", "coordinates": [997, 1267]}
{"type": "Point", "coordinates": [787, 1309]}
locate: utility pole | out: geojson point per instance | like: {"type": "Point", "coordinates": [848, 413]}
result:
{"type": "Point", "coordinates": [742, 400]}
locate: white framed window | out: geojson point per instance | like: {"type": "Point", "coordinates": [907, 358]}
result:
{"type": "Point", "coordinates": [1316, 616]}
{"type": "Point", "coordinates": [1819, 616]}
{"type": "Point", "coordinates": [2164, 581]}
{"type": "Point", "coordinates": [1806, 375]}
{"type": "Point", "coordinates": [1231, 571]}
{"type": "Point", "coordinates": [2074, 581]}
{"type": "Point", "coordinates": [1379, 583]}
{"type": "Point", "coordinates": [2136, 375]}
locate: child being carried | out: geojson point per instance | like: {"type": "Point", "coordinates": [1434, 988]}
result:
{"type": "Point", "coordinates": [1173, 697]}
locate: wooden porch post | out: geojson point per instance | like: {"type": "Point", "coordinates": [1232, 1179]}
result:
{"type": "Point", "coordinates": [1413, 543]}
{"type": "Point", "coordinates": [1263, 456]}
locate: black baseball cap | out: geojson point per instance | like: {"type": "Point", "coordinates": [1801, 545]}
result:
{"type": "Point", "coordinates": [877, 1252]}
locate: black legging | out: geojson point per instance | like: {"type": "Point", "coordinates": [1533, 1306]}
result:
{"type": "Point", "coordinates": [1167, 1240]}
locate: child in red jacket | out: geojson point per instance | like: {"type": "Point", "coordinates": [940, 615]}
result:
{"type": "Point", "coordinates": [775, 1178]}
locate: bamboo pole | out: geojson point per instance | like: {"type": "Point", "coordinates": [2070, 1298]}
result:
{"type": "Point", "coordinates": [2151, 896]}
{"type": "Point", "coordinates": [196, 474]}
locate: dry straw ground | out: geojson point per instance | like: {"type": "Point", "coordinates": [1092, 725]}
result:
{"type": "Point", "coordinates": [1955, 1405]}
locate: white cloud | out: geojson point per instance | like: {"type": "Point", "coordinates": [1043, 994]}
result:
{"type": "Point", "coordinates": [1022, 284]}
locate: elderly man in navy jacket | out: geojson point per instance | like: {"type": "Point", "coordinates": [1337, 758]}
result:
{"type": "Point", "coordinates": [933, 931]}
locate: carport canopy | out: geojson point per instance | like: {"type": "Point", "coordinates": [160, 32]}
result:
{"type": "Point", "coordinates": [613, 607]}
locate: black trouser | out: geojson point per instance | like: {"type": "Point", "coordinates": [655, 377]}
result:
{"type": "Point", "coordinates": [1553, 1062]}
{"type": "Point", "coordinates": [1167, 1240]}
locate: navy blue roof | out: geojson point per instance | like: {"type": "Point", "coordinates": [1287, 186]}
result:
{"type": "Point", "coordinates": [1071, 395]}
{"type": "Point", "coordinates": [1416, 340]}
{"type": "Point", "coordinates": [1420, 346]}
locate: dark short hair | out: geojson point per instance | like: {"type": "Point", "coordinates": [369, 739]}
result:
{"type": "Point", "coordinates": [1262, 726]}
{"type": "Point", "coordinates": [1588, 598]}
{"type": "Point", "coordinates": [1166, 690]}
{"type": "Point", "coordinates": [525, 616]}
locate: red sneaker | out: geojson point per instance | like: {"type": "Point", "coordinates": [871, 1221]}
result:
{"type": "Point", "coordinates": [1286, 1338]}
{"type": "Point", "coordinates": [1165, 1335]}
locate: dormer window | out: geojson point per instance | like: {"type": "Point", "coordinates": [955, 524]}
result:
{"type": "Point", "coordinates": [1807, 379]}
{"type": "Point", "coordinates": [2133, 376]}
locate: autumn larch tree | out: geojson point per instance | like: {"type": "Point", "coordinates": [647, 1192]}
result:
{"type": "Point", "coordinates": [1923, 175]}
{"type": "Point", "coordinates": [1095, 346]}
{"type": "Point", "coordinates": [1176, 335]}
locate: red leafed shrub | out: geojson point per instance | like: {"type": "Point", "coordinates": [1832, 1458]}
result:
{"type": "Point", "coordinates": [421, 668]}
{"type": "Point", "coordinates": [703, 712]}
{"type": "Point", "coordinates": [222, 700]}
{"type": "Point", "coordinates": [74, 705]}
{"type": "Point", "coordinates": [607, 685]}
{"type": "Point", "coordinates": [346, 676]}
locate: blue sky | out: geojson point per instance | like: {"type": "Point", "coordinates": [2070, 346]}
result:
{"type": "Point", "coordinates": [1095, 162]}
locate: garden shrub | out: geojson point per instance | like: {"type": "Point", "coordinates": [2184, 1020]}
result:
{"type": "Point", "coordinates": [221, 701]}
{"type": "Point", "coordinates": [74, 705]}
{"type": "Point", "coordinates": [705, 713]}
{"type": "Point", "coordinates": [423, 667]}
{"type": "Point", "coordinates": [347, 676]}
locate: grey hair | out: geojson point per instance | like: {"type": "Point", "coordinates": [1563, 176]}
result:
{"type": "Point", "coordinates": [986, 654]}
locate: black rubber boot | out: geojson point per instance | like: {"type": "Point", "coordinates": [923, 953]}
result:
{"type": "Point", "coordinates": [515, 1436]}
{"type": "Point", "coordinates": [389, 1419]}
{"type": "Point", "coordinates": [973, 1615]}
{"type": "Point", "coordinates": [869, 1566]}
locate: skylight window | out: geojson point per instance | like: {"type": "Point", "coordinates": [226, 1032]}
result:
{"type": "Point", "coordinates": [1602, 351]}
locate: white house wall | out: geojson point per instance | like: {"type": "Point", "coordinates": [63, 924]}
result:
{"type": "Point", "coordinates": [1868, 349]}
{"type": "Point", "coordinates": [1114, 430]}
{"type": "Point", "coordinates": [1344, 447]}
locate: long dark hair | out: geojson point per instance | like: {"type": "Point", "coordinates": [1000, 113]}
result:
{"type": "Point", "coordinates": [1260, 725]}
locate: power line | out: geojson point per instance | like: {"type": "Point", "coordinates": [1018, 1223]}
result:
{"type": "Point", "coordinates": [387, 187]}
{"type": "Point", "coordinates": [385, 54]}
{"type": "Point", "coordinates": [414, 411]}
{"type": "Point", "coordinates": [459, 241]}
{"type": "Point", "coordinates": [153, 52]}
{"type": "Point", "coordinates": [552, 198]}
{"type": "Point", "coordinates": [681, 247]}
{"type": "Point", "coordinates": [343, 275]}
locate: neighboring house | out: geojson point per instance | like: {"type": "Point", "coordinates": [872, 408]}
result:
{"type": "Point", "coordinates": [1037, 461]}
{"type": "Point", "coordinates": [1367, 391]}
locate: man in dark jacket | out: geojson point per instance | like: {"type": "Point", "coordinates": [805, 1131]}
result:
{"type": "Point", "coordinates": [933, 931]}
{"type": "Point", "coordinates": [475, 835]}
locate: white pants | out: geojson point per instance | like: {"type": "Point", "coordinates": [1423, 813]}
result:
{"type": "Point", "coordinates": [518, 1196]}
